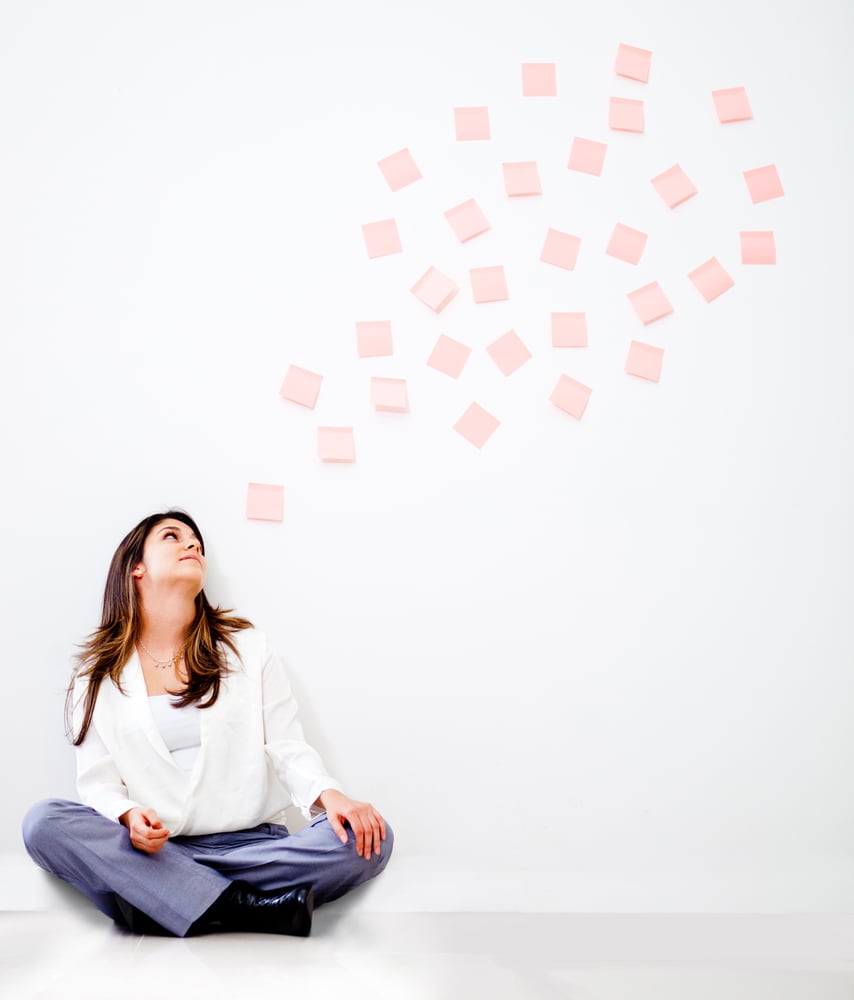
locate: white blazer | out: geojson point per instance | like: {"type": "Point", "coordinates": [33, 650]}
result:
{"type": "Point", "coordinates": [253, 761]}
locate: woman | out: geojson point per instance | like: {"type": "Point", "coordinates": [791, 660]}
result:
{"type": "Point", "coordinates": [188, 750]}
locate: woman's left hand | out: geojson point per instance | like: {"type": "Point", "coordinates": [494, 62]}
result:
{"type": "Point", "coordinates": [365, 822]}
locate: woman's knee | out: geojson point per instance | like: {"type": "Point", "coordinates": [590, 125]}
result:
{"type": "Point", "coordinates": [40, 822]}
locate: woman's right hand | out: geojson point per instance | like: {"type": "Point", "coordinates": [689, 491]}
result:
{"type": "Point", "coordinates": [147, 833]}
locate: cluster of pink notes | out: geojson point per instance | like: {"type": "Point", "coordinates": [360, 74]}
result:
{"type": "Point", "coordinates": [569, 329]}
{"type": "Point", "coordinates": [626, 243]}
{"type": "Point", "coordinates": [710, 279]}
{"type": "Point", "coordinates": [587, 156]}
{"type": "Point", "coordinates": [539, 80]}
{"type": "Point", "coordinates": [399, 169]}
{"type": "Point", "coordinates": [265, 502]}
{"type": "Point", "coordinates": [625, 115]}
{"type": "Point", "coordinates": [644, 361]}
{"type": "Point", "coordinates": [488, 284]}
{"type": "Point", "coordinates": [650, 303]}
{"type": "Point", "coordinates": [381, 238]}
{"type": "Point", "coordinates": [763, 183]}
{"type": "Point", "coordinates": [389, 395]}
{"type": "Point", "coordinates": [449, 356]}
{"type": "Point", "coordinates": [508, 352]}
{"type": "Point", "coordinates": [301, 386]}
{"type": "Point", "coordinates": [521, 179]}
{"type": "Point", "coordinates": [373, 340]}
{"type": "Point", "coordinates": [732, 105]}
{"type": "Point", "coordinates": [633, 63]}
{"type": "Point", "coordinates": [471, 124]}
{"type": "Point", "coordinates": [336, 444]}
{"type": "Point", "coordinates": [476, 425]}
{"type": "Point", "coordinates": [560, 249]}
{"type": "Point", "coordinates": [758, 247]}
{"type": "Point", "coordinates": [434, 289]}
{"type": "Point", "coordinates": [571, 396]}
{"type": "Point", "coordinates": [467, 220]}
{"type": "Point", "coordinates": [674, 186]}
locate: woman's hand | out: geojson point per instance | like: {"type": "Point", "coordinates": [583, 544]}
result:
{"type": "Point", "coordinates": [365, 822]}
{"type": "Point", "coordinates": [147, 833]}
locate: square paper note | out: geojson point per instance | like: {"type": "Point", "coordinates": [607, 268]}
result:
{"type": "Point", "coordinates": [521, 179]}
{"type": "Point", "coordinates": [476, 425]}
{"type": "Point", "coordinates": [381, 238]}
{"type": "Point", "coordinates": [571, 396]}
{"type": "Point", "coordinates": [301, 386]}
{"type": "Point", "coordinates": [758, 248]}
{"type": "Point", "coordinates": [711, 279]}
{"type": "Point", "coordinates": [449, 356]}
{"type": "Point", "coordinates": [539, 80]}
{"type": "Point", "coordinates": [265, 502]}
{"type": "Point", "coordinates": [399, 169]}
{"type": "Point", "coordinates": [434, 289]}
{"type": "Point", "coordinates": [373, 340]}
{"type": "Point", "coordinates": [508, 352]}
{"type": "Point", "coordinates": [626, 243]}
{"type": "Point", "coordinates": [560, 249]}
{"type": "Point", "coordinates": [633, 63]}
{"type": "Point", "coordinates": [650, 302]}
{"type": "Point", "coordinates": [467, 220]}
{"type": "Point", "coordinates": [389, 395]}
{"type": "Point", "coordinates": [336, 444]}
{"type": "Point", "coordinates": [644, 360]}
{"type": "Point", "coordinates": [569, 330]}
{"type": "Point", "coordinates": [732, 105]}
{"type": "Point", "coordinates": [471, 123]}
{"type": "Point", "coordinates": [763, 183]}
{"type": "Point", "coordinates": [674, 186]}
{"type": "Point", "coordinates": [587, 156]}
{"type": "Point", "coordinates": [488, 284]}
{"type": "Point", "coordinates": [625, 115]}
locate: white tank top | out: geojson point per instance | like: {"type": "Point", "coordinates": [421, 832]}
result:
{"type": "Point", "coordinates": [180, 728]}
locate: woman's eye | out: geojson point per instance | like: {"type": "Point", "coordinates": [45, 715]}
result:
{"type": "Point", "coordinates": [169, 534]}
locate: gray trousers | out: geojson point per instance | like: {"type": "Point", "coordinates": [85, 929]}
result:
{"type": "Point", "coordinates": [175, 886]}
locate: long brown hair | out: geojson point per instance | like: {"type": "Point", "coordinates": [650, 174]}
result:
{"type": "Point", "coordinates": [107, 650]}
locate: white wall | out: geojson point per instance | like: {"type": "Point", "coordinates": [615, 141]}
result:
{"type": "Point", "coordinates": [597, 665]}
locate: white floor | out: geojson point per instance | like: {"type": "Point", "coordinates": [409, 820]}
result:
{"type": "Point", "coordinates": [352, 955]}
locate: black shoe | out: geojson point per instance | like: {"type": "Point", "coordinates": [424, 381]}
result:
{"type": "Point", "coordinates": [138, 922]}
{"type": "Point", "coordinates": [271, 911]}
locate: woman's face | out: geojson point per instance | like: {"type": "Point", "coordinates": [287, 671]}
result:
{"type": "Point", "coordinates": [172, 557]}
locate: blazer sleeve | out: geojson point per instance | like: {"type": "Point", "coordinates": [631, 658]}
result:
{"type": "Point", "coordinates": [298, 765]}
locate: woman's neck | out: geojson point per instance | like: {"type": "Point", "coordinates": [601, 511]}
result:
{"type": "Point", "coordinates": [164, 627]}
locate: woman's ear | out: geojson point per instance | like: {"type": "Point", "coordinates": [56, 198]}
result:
{"type": "Point", "coordinates": [138, 570]}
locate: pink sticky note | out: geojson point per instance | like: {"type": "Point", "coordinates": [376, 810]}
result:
{"type": "Point", "coordinates": [758, 247]}
{"type": "Point", "coordinates": [560, 249]}
{"type": "Point", "coordinates": [399, 169]}
{"type": "Point", "coordinates": [763, 183]}
{"type": "Point", "coordinates": [539, 80]}
{"type": "Point", "coordinates": [373, 340]}
{"type": "Point", "coordinates": [434, 289]}
{"type": "Point", "coordinates": [389, 395]}
{"type": "Point", "coordinates": [508, 352]}
{"type": "Point", "coordinates": [471, 124]}
{"type": "Point", "coordinates": [381, 238]}
{"type": "Point", "coordinates": [265, 502]}
{"type": "Point", "coordinates": [587, 156]}
{"type": "Point", "coordinates": [449, 356]}
{"type": "Point", "coordinates": [650, 302]}
{"type": "Point", "coordinates": [625, 115]}
{"type": "Point", "coordinates": [626, 243]}
{"type": "Point", "coordinates": [571, 396]}
{"type": "Point", "coordinates": [569, 329]}
{"type": "Point", "coordinates": [644, 360]}
{"type": "Point", "coordinates": [633, 63]}
{"type": "Point", "coordinates": [711, 279]}
{"type": "Point", "coordinates": [488, 284]}
{"type": "Point", "coordinates": [674, 186]}
{"type": "Point", "coordinates": [521, 179]}
{"type": "Point", "coordinates": [301, 386]}
{"type": "Point", "coordinates": [476, 425]}
{"type": "Point", "coordinates": [336, 444]}
{"type": "Point", "coordinates": [732, 105]}
{"type": "Point", "coordinates": [467, 220]}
